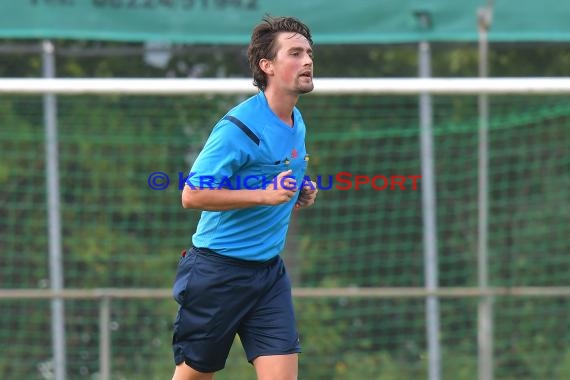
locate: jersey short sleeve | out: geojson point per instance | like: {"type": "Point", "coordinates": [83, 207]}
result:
{"type": "Point", "coordinates": [226, 150]}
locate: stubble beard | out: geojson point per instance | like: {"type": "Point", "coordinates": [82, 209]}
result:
{"type": "Point", "coordinates": [303, 88]}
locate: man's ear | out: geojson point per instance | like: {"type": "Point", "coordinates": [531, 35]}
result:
{"type": "Point", "coordinates": [266, 66]}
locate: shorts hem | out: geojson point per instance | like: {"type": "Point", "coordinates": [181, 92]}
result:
{"type": "Point", "coordinates": [195, 367]}
{"type": "Point", "coordinates": [268, 353]}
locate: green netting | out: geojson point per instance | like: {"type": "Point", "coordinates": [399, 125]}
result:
{"type": "Point", "coordinates": [117, 232]}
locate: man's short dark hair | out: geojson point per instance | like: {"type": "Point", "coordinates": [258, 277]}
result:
{"type": "Point", "coordinates": [263, 43]}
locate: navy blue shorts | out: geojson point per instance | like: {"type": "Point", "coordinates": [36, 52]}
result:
{"type": "Point", "coordinates": [220, 297]}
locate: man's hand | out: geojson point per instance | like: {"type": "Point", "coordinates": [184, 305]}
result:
{"type": "Point", "coordinates": [307, 196]}
{"type": "Point", "coordinates": [281, 190]}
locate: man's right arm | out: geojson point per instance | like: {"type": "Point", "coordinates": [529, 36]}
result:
{"type": "Point", "coordinates": [226, 199]}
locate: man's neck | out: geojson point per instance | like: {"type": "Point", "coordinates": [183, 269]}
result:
{"type": "Point", "coordinates": [282, 105]}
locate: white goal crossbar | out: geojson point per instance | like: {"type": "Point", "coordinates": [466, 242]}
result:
{"type": "Point", "coordinates": [330, 86]}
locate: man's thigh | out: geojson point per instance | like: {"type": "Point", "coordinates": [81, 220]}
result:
{"type": "Point", "coordinates": [277, 367]}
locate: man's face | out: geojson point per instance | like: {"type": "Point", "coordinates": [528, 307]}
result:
{"type": "Point", "coordinates": [293, 64]}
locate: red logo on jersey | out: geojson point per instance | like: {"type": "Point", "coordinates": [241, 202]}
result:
{"type": "Point", "coordinates": [294, 153]}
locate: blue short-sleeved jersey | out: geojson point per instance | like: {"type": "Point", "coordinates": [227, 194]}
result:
{"type": "Point", "coordinates": [232, 159]}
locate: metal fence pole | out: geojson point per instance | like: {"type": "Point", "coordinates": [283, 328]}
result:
{"type": "Point", "coordinates": [485, 307]}
{"type": "Point", "coordinates": [105, 338]}
{"type": "Point", "coordinates": [54, 217]}
{"type": "Point", "coordinates": [429, 218]}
